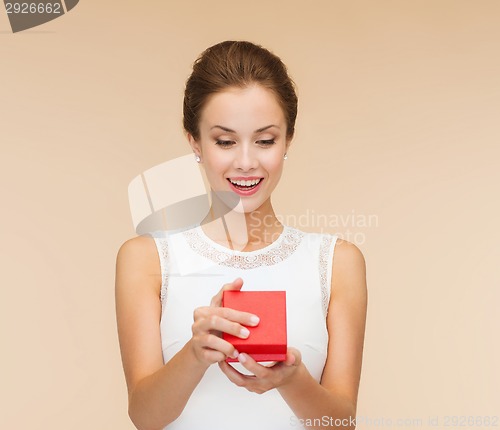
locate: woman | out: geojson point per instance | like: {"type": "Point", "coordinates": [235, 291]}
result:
{"type": "Point", "coordinates": [239, 115]}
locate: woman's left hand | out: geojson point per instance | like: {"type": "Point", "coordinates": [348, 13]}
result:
{"type": "Point", "coordinates": [263, 378]}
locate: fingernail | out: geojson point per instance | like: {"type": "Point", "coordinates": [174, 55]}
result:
{"type": "Point", "coordinates": [235, 354]}
{"type": "Point", "coordinates": [242, 358]}
{"type": "Point", "coordinates": [254, 319]}
{"type": "Point", "coordinates": [244, 332]}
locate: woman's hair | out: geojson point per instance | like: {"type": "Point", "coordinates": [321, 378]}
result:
{"type": "Point", "coordinates": [237, 64]}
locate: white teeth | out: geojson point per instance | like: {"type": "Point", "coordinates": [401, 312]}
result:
{"type": "Point", "coordinates": [245, 183]}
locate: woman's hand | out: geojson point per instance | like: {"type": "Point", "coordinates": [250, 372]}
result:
{"type": "Point", "coordinates": [264, 378]}
{"type": "Point", "coordinates": [209, 323]}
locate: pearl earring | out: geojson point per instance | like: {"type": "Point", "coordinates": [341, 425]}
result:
{"type": "Point", "coordinates": [285, 156]}
{"type": "Point", "coordinates": [197, 158]}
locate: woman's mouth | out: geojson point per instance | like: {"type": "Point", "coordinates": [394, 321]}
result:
{"type": "Point", "coordinates": [245, 187]}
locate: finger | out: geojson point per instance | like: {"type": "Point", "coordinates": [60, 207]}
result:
{"type": "Point", "coordinates": [218, 323]}
{"type": "Point", "coordinates": [244, 318]}
{"type": "Point", "coordinates": [216, 343]}
{"type": "Point", "coordinates": [232, 286]}
{"type": "Point", "coordinates": [212, 356]}
{"type": "Point", "coordinates": [233, 375]}
{"type": "Point", "coordinates": [293, 357]}
{"type": "Point", "coordinates": [250, 364]}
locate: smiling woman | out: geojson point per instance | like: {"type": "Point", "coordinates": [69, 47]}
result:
{"type": "Point", "coordinates": [239, 116]}
{"type": "Point", "coordinates": [250, 146]}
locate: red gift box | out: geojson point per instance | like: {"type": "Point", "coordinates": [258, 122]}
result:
{"type": "Point", "coordinates": [267, 340]}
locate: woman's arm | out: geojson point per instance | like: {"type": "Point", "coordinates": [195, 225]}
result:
{"type": "Point", "coordinates": [337, 395]}
{"type": "Point", "coordinates": [158, 393]}
{"type": "Point", "coordinates": [334, 401]}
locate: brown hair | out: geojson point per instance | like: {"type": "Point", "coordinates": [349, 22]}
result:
{"type": "Point", "coordinates": [237, 64]}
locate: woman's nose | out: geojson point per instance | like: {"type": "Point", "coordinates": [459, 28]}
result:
{"type": "Point", "coordinates": [245, 158]}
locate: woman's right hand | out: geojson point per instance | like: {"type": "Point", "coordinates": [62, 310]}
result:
{"type": "Point", "coordinates": [209, 323]}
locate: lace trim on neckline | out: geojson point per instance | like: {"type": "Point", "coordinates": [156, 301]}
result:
{"type": "Point", "coordinates": [162, 244]}
{"type": "Point", "coordinates": [274, 253]}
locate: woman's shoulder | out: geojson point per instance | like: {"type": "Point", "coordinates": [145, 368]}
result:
{"type": "Point", "coordinates": [348, 267]}
{"type": "Point", "coordinates": [148, 248]}
{"type": "Point", "coordinates": [348, 252]}
{"type": "Point", "coordinates": [137, 245]}
{"type": "Point", "coordinates": [138, 255]}
{"type": "Point", "coordinates": [347, 259]}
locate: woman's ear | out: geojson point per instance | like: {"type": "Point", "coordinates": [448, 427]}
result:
{"type": "Point", "coordinates": [195, 146]}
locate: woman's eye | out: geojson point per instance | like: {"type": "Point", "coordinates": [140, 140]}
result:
{"type": "Point", "coordinates": [227, 143]}
{"type": "Point", "coordinates": [224, 142]}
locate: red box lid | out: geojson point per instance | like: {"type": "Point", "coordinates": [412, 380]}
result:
{"type": "Point", "coordinates": [268, 340]}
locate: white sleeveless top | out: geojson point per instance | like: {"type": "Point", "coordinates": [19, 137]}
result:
{"type": "Point", "coordinates": [194, 268]}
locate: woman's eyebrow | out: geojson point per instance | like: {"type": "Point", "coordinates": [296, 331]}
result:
{"type": "Point", "coordinates": [260, 130]}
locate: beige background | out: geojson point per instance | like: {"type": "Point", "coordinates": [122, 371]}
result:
{"type": "Point", "coordinates": [398, 120]}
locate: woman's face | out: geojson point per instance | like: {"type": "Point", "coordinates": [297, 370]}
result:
{"type": "Point", "coordinates": [242, 138]}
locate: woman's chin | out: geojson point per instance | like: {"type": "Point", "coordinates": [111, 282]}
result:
{"type": "Point", "coordinates": [243, 208]}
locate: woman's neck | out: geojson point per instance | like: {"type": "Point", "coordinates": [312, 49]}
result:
{"type": "Point", "coordinates": [242, 230]}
